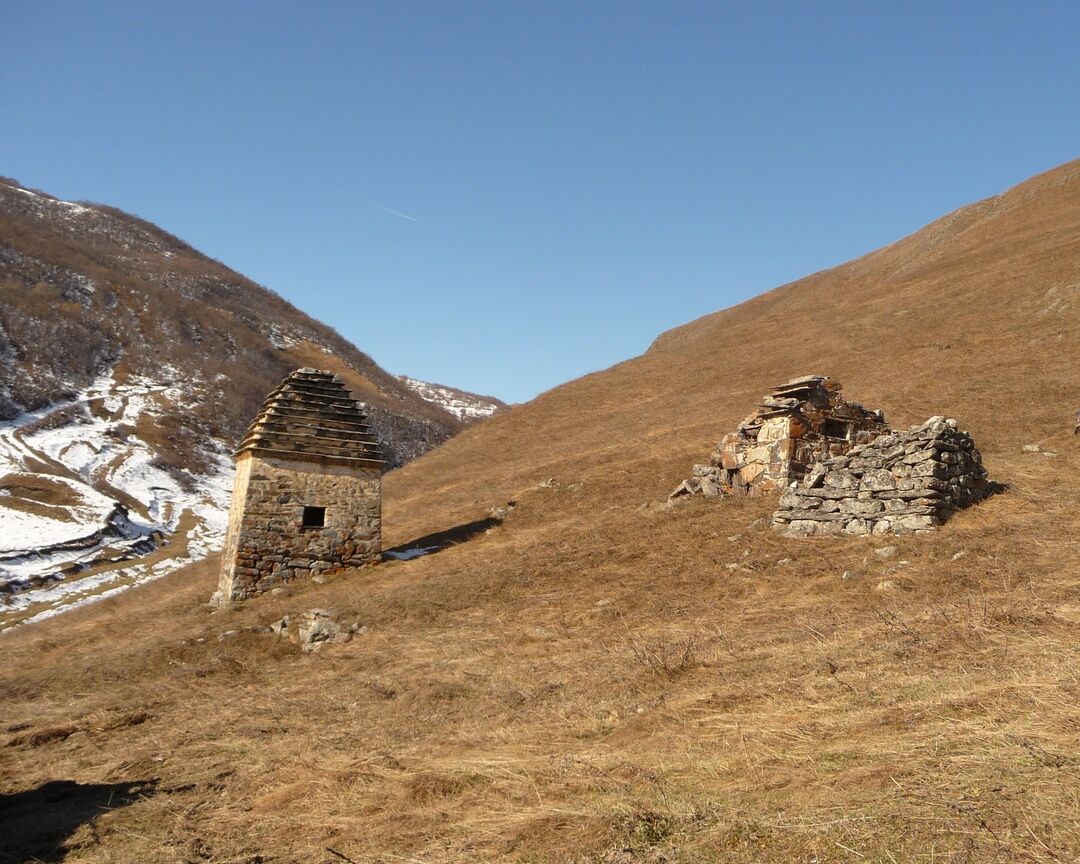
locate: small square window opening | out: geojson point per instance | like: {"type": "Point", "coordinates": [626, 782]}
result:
{"type": "Point", "coordinates": [314, 517]}
{"type": "Point", "coordinates": [835, 429]}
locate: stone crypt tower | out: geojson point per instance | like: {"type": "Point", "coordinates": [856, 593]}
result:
{"type": "Point", "coordinates": [307, 496]}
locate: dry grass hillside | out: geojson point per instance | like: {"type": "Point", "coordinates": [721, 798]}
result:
{"type": "Point", "coordinates": [603, 679]}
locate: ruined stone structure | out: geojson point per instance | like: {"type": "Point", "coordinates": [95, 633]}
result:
{"type": "Point", "coordinates": [796, 424]}
{"type": "Point", "coordinates": [840, 468]}
{"type": "Point", "coordinates": [897, 483]}
{"type": "Point", "coordinates": [306, 499]}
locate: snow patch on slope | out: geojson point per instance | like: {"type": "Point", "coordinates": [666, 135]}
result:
{"type": "Point", "coordinates": [461, 405]}
{"type": "Point", "coordinates": [73, 208]}
{"type": "Point", "coordinates": [84, 495]}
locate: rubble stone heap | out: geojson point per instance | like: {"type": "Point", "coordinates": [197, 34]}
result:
{"type": "Point", "coordinates": [899, 482]}
{"type": "Point", "coordinates": [307, 495]}
{"type": "Point", "coordinates": [796, 424]}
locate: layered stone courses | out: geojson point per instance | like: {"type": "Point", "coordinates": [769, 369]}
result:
{"type": "Point", "coordinates": [311, 413]}
{"type": "Point", "coordinates": [310, 446]}
{"type": "Point", "coordinates": [839, 466]}
{"type": "Point", "coordinates": [900, 482]}
{"type": "Point", "coordinates": [797, 423]}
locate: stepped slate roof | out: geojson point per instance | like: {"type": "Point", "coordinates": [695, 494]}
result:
{"type": "Point", "coordinates": [312, 414]}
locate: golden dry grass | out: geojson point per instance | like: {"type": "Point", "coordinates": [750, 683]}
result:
{"type": "Point", "coordinates": [604, 679]}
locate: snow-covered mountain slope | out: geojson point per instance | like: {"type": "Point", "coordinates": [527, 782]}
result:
{"type": "Point", "coordinates": [130, 364]}
{"type": "Point", "coordinates": [84, 507]}
{"type": "Point", "coordinates": [462, 405]}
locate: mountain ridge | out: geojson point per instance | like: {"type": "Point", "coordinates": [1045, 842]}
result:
{"type": "Point", "coordinates": [64, 242]}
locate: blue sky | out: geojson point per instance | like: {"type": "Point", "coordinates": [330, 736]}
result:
{"type": "Point", "coordinates": [579, 176]}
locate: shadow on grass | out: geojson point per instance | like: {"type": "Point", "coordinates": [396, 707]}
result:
{"type": "Point", "coordinates": [35, 823]}
{"type": "Point", "coordinates": [431, 543]}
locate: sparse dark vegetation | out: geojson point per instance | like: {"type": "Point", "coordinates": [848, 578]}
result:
{"type": "Point", "coordinates": [82, 293]}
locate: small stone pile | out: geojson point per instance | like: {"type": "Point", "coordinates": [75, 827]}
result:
{"type": "Point", "coordinates": [900, 482]}
{"type": "Point", "coordinates": [313, 628]}
{"type": "Point", "coordinates": [795, 424]}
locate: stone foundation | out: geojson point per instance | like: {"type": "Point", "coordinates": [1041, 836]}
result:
{"type": "Point", "coordinates": [268, 544]}
{"type": "Point", "coordinates": [899, 482]}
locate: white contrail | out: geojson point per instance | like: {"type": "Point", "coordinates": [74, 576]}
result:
{"type": "Point", "coordinates": [388, 210]}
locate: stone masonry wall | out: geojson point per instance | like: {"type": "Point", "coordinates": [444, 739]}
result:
{"type": "Point", "coordinates": [899, 482]}
{"type": "Point", "coordinates": [797, 423]}
{"type": "Point", "coordinates": [266, 543]}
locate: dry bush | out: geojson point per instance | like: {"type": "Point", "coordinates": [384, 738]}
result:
{"type": "Point", "coordinates": [665, 657]}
